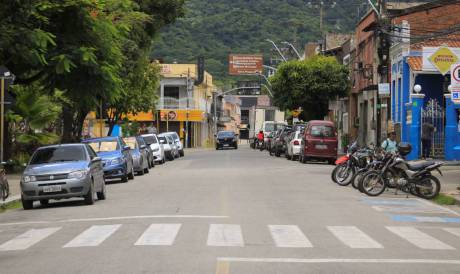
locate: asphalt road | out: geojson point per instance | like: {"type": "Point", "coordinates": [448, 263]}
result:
{"type": "Point", "coordinates": [233, 212]}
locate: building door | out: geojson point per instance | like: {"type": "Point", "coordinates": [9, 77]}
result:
{"type": "Point", "coordinates": [434, 113]}
{"type": "Point", "coordinates": [363, 121]}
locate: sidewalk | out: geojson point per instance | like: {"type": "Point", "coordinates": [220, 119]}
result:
{"type": "Point", "coordinates": [15, 190]}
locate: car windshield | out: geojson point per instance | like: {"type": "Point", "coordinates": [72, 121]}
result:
{"type": "Point", "coordinates": [150, 140]}
{"type": "Point", "coordinates": [322, 131]}
{"type": "Point", "coordinates": [270, 127]}
{"type": "Point", "coordinates": [174, 136]}
{"type": "Point", "coordinates": [58, 154]}
{"type": "Point", "coordinates": [104, 146]}
{"type": "Point", "coordinates": [225, 134]}
{"type": "Point", "coordinates": [131, 142]}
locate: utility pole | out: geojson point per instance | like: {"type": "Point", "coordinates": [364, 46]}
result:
{"type": "Point", "coordinates": [2, 113]}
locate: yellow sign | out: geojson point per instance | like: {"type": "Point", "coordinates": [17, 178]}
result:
{"type": "Point", "coordinates": [192, 115]}
{"type": "Point", "coordinates": [443, 59]}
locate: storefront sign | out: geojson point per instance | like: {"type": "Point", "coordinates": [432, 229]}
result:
{"type": "Point", "coordinates": [243, 64]}
{"type": "Point", "coordinates": [182, 115]}
{"type": "Point", "coordinates": [440, 59]}
{"type": "Point", "coordinates": [409, 116]}
{"type": "Point", "coordinates": [384, 89]}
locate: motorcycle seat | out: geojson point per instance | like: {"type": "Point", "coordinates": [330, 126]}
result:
{"type": "Point", "coordinates": [418, 165]}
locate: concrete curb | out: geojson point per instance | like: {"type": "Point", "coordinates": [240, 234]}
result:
{"type": "Point", "coordinates": [10, 200]}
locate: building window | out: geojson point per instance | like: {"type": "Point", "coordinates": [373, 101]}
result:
{"type": "Point", "coordinates": [399, 103]}
{"type": "Point", "coordinates": [269, 115]}
{"type": "Point", "coordinates": [172, 92]}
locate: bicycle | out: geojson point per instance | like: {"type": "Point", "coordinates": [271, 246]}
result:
{"type": "Point", "coordinates": [4, 186]}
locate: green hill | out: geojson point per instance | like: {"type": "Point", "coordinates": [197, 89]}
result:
{"type": "Point", "coordinates": [215, 28]}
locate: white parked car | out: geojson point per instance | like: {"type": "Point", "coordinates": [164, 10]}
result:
{"type": "Point", "coordinates": [157, 148]}
{"type": "Point", "coordinates": [169, 146]}
{"type": "Point", "coordinates": [293, 145]}
{"type": "Point", "coordinates": [177, 141]}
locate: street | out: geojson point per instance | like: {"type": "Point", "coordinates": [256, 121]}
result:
{"type": "Point", "coordinates": [233, 211]}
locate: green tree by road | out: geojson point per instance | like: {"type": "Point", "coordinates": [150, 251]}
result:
{"type": "Point", "coordinates": [309, 84]}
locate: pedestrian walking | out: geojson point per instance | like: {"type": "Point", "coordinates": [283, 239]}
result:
{"type": "Point", "coordinates": [427, 136]}
{"type": "Point", "coordinates": [390, 144]}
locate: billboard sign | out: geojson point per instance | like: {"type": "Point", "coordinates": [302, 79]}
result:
{"type": "Point", "coordinates": [245, 64]}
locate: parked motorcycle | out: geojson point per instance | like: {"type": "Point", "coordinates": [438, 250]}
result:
{"type": "Point", "coordinates": [413, 177]}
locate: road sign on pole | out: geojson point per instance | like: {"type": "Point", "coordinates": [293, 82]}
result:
{"type": "Point", "coordinates": [455, 83]}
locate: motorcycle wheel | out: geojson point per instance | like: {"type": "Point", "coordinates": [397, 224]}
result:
{"type": "Point", "coordinates": [357, 178]}
{"type": "Point", "coordinates": [373, 184]}
{"type": "Point", "coordinates": [429, 181]}
{"type": "Point", "coordinates": [344, 174]}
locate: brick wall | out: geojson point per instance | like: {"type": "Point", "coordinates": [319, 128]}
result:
{"type": "Point", "coordinates": [437, 18]}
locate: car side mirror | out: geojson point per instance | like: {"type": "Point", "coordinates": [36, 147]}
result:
{"type": "Point", "coordinates": [143, 146]}
{"type": "Point", "coordinates": [126, 148]}
{"type": "Point", "coordinates": [96, 159]}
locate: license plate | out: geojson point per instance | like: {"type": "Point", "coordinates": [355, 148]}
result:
{"type": "Point", "coordinates": [48, 189]}
{"type": "Point", "coordinates": [321, 146]}
{"type": "Point", "coordinates": [226, 145]}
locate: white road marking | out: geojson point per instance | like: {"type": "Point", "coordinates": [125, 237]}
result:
{"type": "Point", "coordinates": [93, 236]}
{"type": "Point", "coordinates": [288, 236]}
{"type": "Point", "coordinates": [159, 234]}
{"type": "Point", "coordinates": [28, 239]}
{"type": "Point", "coordinates": [25, 223]}
{"type": "Point", "coordinates": [455, 231]}
{"type": "Point", "coordinates": [225, 235]}
{"type": "Point", "coordinates": [418, 238]}
{"type": "Point", "coordinates": [353, 237]}
{"type": "Point", "coordinates": [144, 217]}
{"type": "Point", "coordinates": [336, 260]}
{"type": "Point", "coordinates": [121, 218]}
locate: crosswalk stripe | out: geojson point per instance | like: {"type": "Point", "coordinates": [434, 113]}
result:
{"type": "Point", "coordinates": [93, 236]}
{"type": "Point", "coordinates": [455, 231]}
{"type": "Point", "coordinates": [418, 238]}
{"type": "Point", "coordinates": [353, 237]}
{"type": "Point", "coordinates": [159, 234]}
{"type": "Point", "coordinates": [288, 236]}
{"type": "Point", "coordinates": [225, 235]}
{"type": "Point", "coordinates": [28, 239]}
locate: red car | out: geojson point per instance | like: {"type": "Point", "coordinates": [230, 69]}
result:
{"type": "Point", "coordinates": [319, 142]}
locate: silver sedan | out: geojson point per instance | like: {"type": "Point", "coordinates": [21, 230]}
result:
{"type": "Point", "coordinates": [60, 172]}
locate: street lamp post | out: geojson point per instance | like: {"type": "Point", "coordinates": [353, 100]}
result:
{"type": "Point", "coordinates": [277, 49]}
{"type": "Point", "coordinates": [6, 76]}
{"type": "Point", "coordinates": [293, 48]}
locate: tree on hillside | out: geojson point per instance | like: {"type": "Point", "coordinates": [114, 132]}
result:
{"type": "Point", "coordinates": [309, 84]}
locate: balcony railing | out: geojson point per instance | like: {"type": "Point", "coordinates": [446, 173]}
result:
{"type": "Point", "coordinates": [175, 103]}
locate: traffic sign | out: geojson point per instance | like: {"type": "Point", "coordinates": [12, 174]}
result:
{"type": "Point", "coordinates": [456, 96]}
{"type": "Point", "coordinates": [455, 76]}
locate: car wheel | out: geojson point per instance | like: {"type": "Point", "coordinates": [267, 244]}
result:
{"type": "Point", "coordinates": [44, 202]}
{"type": "Point", "coordinates": [146, 170]}
{"type": "Point", "coordinates": [89, 197]}
{"type": "Point", "coordinates": [181, 153]}
{"type": "Point", "coordinates": [141, 172]}
{"type": "Point", "coordinates": [131, 174]}
{"type": "Point", "coordinates": [27, 204]}
{"type": "Point", "coordinates": [102, 194]}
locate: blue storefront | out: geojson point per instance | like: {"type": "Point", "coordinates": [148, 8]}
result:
{"type": "Point", "coordinates": [420, 94]}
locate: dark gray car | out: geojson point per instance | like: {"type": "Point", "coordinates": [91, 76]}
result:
{"type": "Point", "coordinates": [60, 172]}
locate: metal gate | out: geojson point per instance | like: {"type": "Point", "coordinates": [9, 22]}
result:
{"type": "Point", "coordinates": [433, 113]}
